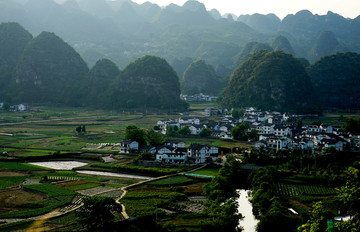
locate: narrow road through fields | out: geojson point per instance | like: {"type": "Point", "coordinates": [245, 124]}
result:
{"type": "Point", "coordinates": [124, 189]}
{"type": "Point", "coordinates": [37, 226]}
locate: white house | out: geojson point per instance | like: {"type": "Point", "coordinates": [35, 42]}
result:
{"type": "Point", "coordinates": [225, 128]}
{"type": "Point", "coordinates": [282, 131]}
{"type": "Point", "coordinates": [199, 153]}
{"type": "Point", "coordinates": [314, 128]}
{"type": "Point", "coordinates": [172, 158]}
{"type": "Point", "coordinates": [21, 107]}
{"type": "Point", "coordinates": [195, 121]}
{"type": "Point", "coordinates": [129, 146]}
{"type": "Point", "coordinates": [337, 144]}
{"type": "Point", "coordinates": [175, 144]}
{"type": "Point", "coordinates": [165, 149]}
{"type": "Point", "coordinates": [195, 129]}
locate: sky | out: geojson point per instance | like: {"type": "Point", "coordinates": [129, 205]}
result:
{"type": "Point", "coordinates": [346, 8]}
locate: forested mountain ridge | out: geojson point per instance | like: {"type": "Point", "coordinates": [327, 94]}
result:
{"type": "Point", "coordinates": [200, 77]}
{"type": "Point", "coordinates": [101, 77]}
{"type": "Point", "coordinates": [271, 80]}
{"type": "Point", "coordinates": [148, 82]}
{"type": "Point", "coordinates": [49, 71]}
{"type": "Point", "coordinates": [336, 79]}
{"type": "Point", "coordinates": [122, 30]}
{"type": "Point", "coordinates": [13, 39]}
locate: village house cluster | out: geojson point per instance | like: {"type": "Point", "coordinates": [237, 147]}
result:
{"type": "Point", "coordinates": [174, 152]}
{"type": "Point", "coordinates": [198, 98]}
{"type": "Point", "coordinates": [220, 129]}
{"type": "Point", "coordinates": [276, 131]}
{"type": "Point", "coordinates": [15, 108]}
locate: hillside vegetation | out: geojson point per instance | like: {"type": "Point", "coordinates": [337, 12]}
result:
{"type": "Point", "coordinates": [270, 80]}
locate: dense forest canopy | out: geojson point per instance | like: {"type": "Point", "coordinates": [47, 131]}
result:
{"type": "Point", "coordinates": [123, 31]}
{"type": "Point", "coordinates": [148, 82]}
{"type": "Point", "coordinates": [115, 33]}
{"type": "Point", "coordinates": [200, 77]}
{"type": "Point", "coordinates": [271, 80]}
{"type": "Point", "coordinates": [337, 80]}
{"type": "Point", "coordinates": [50, 71]}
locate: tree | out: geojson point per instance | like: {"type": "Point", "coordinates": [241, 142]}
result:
{"type": "Point", "coordinates": [236, 113]}
{"type": "Point", "coordinates": [253, 135]}
{"type": "Point", "coordinates": [239, 132]}
{"type": "Point", "coordinates": [78, 129]}
{"type": "Point", "coordinates": [221, 217]}
{"type": "Point", "coordinates": [349, 197]}
{"type": "Point", "coordinates": [184, 131]}
{"type": "Point", "coordinates": [299, 123]}
{"type": "Point", "coordinates": [6, 106]}
{"type": "Point", "coordinates": [205, 132]}
{"type": "Point", "coordinates": [352, 125]}
{"type": "Point", "coordinates": [317, 123]}
{"type": "Point", "coordinates": [154, 138]}
{"type": "Point", "coordinates": [171, 130]}
{"type": "Point", "coordinates": [317, 221]}
{"type": "Point", "coordinates": [83, 129]}
{"type": "Point", "coordinates": [144, 156]}
{"type": "Point", "coordinates": [98, 213]}
{"type": "Point", "coordinates": [136, 134]}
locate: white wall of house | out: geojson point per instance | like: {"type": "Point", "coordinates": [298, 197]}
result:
{"type": "Point", "coordinates": [170, 158]}
{"type": "Point", "coordinates": [126, 147]}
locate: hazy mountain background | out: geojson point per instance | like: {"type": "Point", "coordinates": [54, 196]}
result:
{"type": "Point", "coordinates": [123, 31]}
{"type": "Point", "coordinates": [106, 54]}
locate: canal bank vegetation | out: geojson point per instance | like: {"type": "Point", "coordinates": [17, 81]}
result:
{"type": "Point", "coordinates": [221, 213]}
{"type": "Point", "coordinates": [304, 202]}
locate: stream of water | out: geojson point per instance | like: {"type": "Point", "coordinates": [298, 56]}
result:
{"type": "Point", "coordinates": [249, 222]}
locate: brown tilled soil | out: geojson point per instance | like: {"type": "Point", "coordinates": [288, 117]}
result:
{"type": "Point", "coordinates": [11, 174]}
{"type": "Point", "coordinates": [194, 189]}
{"type": "Point", "coordinates": [79, 182]}
{"type": "Point", "coordinates": [9, 200]}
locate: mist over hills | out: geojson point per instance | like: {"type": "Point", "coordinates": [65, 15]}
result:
{"type": "Point", "coordinates": [47, 70]}
{"type": "Point", "coordinates": [122, 30]}
{"type": "Point", "coordinates": [106, 54]}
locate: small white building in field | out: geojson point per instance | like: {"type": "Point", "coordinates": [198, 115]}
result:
{"type": "Point", "coordinates": [129, 146]}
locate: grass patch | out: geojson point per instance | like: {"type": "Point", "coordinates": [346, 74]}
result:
{"type": "Point", "coordinates": [82, 186]}
{"type": "Point", "coordinates": [139, 204]}
{"type": "Point", "coordinates": [207, 171]}
{"type": "Point", "coordinates": [8, 181]}
{"type": "Point", "coordinates": [4, 165]}
{"type": "Point", "coordinates": [57, 197]}
{"type": "Point", "coordinates": [16, 226]}
{"type": "Point", "coordinates": [172, 181]}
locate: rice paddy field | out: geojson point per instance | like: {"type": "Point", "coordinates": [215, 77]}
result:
{"type": "Point", "coordinates": [48, 134]}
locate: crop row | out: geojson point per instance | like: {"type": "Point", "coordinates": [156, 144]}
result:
{"type": "Point", "coordinates": [8, 181]}
{"type": "Point", "coordinates": [56, 197]}
{"type": "Point", "coordinates": [295, 190]}
{"type": "Point", "coordinates": [171, 181]}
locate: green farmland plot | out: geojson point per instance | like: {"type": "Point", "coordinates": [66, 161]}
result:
{"type": "Point", "coordinates": [56, 197]}
{"type": "Point", "coordinates": [207, 172]}
{"type": "Point", "coordinates": [172, 181]}
{"type": "Point", "coordinates": [4, 166]}
{"type": "Point", "coordinates": [295, 190]}
{"type": "Point", "coordinates": [9, 181]}
{"type": "Point", "coordinates": [140, 203]}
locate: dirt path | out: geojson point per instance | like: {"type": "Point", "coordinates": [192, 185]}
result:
{"type": "Point", "coordinates": [124, 189]}
{"type": "Point", "coordinates": [37, 226]}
